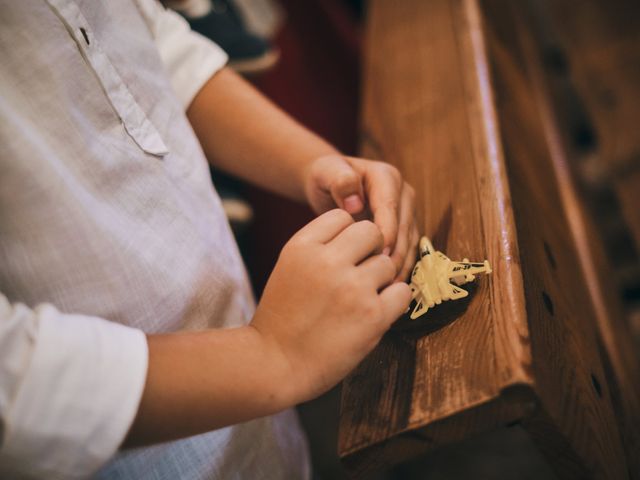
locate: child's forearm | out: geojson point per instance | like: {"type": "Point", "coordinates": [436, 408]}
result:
{"type": "Point", "coordinates": [200, 381]}
{"type": "Point", "coordinates": [244, 134]}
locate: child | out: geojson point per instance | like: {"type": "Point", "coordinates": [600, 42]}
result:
{"type": "Point", "coordinates": [109, 227]}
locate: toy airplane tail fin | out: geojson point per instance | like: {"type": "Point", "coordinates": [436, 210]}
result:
{"type": "Point", "coordinates": [488, 267]}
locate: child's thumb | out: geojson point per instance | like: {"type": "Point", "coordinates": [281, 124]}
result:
{"type": "Point", "coordinates": [346, 188]}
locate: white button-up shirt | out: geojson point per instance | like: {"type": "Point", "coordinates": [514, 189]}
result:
{"type": "Point", "coordinates": [110, 227]}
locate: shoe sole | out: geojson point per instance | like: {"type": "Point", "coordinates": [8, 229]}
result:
{"type": "Point", "coordinates": [252, 66]}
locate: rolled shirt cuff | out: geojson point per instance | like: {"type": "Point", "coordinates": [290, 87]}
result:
{"type": "Point", "coordinates": [78, 398]}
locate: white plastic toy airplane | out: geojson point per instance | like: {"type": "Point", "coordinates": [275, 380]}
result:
{"type": "Point", "coordinates": [432, 276]}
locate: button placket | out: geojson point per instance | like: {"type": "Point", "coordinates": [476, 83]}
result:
{"type": "Point", "coordinates": [136, 123]}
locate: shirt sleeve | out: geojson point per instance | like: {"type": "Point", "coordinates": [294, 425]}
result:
{"type": "Point", "coordinates": [190, 58]}
{"type": "Point", "coordinates": [70, 386]}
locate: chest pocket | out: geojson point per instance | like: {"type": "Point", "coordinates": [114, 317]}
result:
{"type": "Point", "coordinates": [135, 121]}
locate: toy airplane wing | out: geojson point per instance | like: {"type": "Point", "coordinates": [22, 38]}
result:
{"type": "Point", "coordinates": [420, 308]}
{"type": "Point", "coordinates": [456, 293]}
{"type": "Point", "coordinates": [452, 293]}
{"type": "Point", "coordinates": [417, 277]}
{"type": "Point", "coordinates": [464, 272]}
{"type": "Point", "coordinates": [457, 269]}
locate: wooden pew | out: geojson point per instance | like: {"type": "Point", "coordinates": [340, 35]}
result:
{"type": "Point", "coordinates": [592, 51]}
{"type": "Point", "coordinates": [449, 100]}
{"type": "Point", "coordinates": [600, 75]}
{"type": "Point", "coordinates": [600, 40]}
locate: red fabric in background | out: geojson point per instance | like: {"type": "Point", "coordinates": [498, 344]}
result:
{"type": "Point", "coordinates": [317, 82]}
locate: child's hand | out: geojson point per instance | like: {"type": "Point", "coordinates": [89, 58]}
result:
{"type": "Point", "coordinates": [368, 189]}
{"type": "Point", "coordinates": [328, 301]}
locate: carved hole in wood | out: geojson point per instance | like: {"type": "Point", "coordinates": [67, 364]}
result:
{"type": "Point", "coordinates": [547, 302]}
{"type": "Point", "coordinates": [555, 60]}
{"type": "Point", "coordinates": [584, 137]}
{"type": "Point", "coordinates": [596, 385]}
{"type": "Point", "coordinates": [550, 257]}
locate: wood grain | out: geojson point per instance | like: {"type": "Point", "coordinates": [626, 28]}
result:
{"type": "Point", "coordinates": [449, 102]}
{"type": "Point", "coordinates": [428, 110]}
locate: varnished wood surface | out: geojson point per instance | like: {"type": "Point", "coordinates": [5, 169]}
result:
{"type": "Point", "coordinates": [516, 351]}
{"type": "Point", "coordinates": [428, 109]}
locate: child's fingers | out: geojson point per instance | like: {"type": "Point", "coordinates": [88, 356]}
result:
{"type": "Point", "coordinates": [406, 224]}
{"type": "Point", "coordinates": [357, 242]}
{"type": "Point", "coordinates": [395, 300]}
{"type": "Point", "coordinates": [335, 176]}
{"type": "Point", "coordinates": [384, 193]}
{"type": "Point", "coordinates": [325, 227]}
{"type": "Point", "coordinates": [410, 259]}
{"type": "Point", "coordinates": [346, 188]}
{"type": "Point", "coordinates": [378, 271]}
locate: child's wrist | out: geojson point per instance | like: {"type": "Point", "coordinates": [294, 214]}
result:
{"type": "Point", "coordinates": [281, 390]}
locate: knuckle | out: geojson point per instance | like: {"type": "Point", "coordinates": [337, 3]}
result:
{"type": "Point", "coordinates": [392, 204]}
{"type": "Point", "coordinates": [388, 210]}
{"type": "Point", "coordinates": [342, 215]}
{"type": "Point", "coordinates": [387, 262]}
{"type": "Point", "coordinates": [369, 228]}
{"type": "Point", "coordinates": [345, 178]}
{"type": "Point", "coordinates": [391, 171]}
